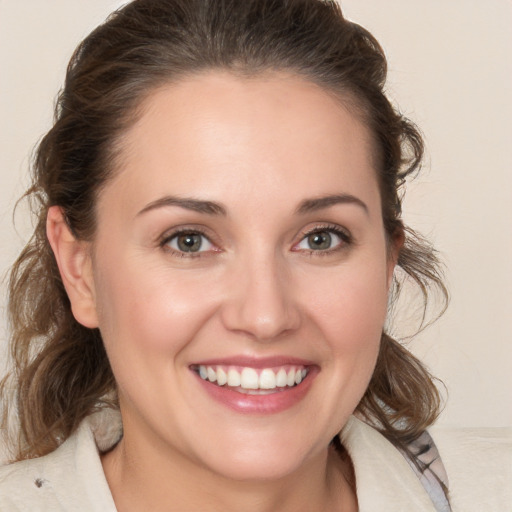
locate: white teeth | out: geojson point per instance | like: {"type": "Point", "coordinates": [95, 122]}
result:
{"type": "Point", "coordinates": [249, 379]}
{"type": "Point", "coordinates": [281, 378]}
{"type": "Point", "coordinates": [234, 379]}
{"type": "Point", "coordinates": [267, 379]}
{"type": "Point", "coordinates": [222, 378]}
{"type": "Point", "coordinates": [212, 375]}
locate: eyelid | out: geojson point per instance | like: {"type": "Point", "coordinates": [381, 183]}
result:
{"type": "Point", "coordinates": [167, 236]}
{"type": "Point", "coordinates": [173, 243]}
{"type": "Point", "coordinates": [343, 233]}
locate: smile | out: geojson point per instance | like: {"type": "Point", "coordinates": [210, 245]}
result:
{"type": "Point", "coordinates": [251, 380]}
{"type": "Point", "coordinates": [256, 386]}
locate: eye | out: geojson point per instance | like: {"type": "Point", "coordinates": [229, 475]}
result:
{"type": "Point", "coordinates": [323, 240]}
{"type": "Point", "coordinates": [188, 242]}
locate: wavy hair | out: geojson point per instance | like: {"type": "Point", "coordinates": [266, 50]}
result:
{"type": "Point", "coordinates": [60, 372]}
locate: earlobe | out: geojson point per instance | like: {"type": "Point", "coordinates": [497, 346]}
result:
{"type": "Point", "coordinates": [396, 244]}
{"type": "Point", "coordinates": [75, 266]}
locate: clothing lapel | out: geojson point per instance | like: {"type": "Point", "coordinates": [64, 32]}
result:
{"type": "Point", "coordinates": [384, 480]}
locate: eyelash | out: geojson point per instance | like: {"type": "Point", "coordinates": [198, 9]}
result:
{"type": "Point", "coordinates": [169, 237]}
{"type": "Point", "coordinates": [344, 235]}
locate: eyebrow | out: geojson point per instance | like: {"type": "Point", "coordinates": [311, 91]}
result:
{"type": "Point", "coordinates": [319, 203]}
{"type": "Point", "coordinates": [196, 205]}
{"type": "Point", "coordinates": [212, 208]}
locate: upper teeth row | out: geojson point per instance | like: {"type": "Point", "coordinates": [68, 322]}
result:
{"type": "Point", "coordinates": [249, 378]}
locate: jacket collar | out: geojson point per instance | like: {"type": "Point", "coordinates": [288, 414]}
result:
{"type": "Point", "coordinates": [384, 479]}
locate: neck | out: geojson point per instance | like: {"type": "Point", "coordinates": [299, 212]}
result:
{"type": "Point", "coordinates": [163, 481]}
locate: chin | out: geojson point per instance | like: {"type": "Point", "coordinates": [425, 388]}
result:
{"type": "Point", "coordinates": [258, 468]}
{"type": "Point", "coordinates": [270, 457]}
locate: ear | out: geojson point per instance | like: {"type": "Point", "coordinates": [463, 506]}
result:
{"type": "Point", "coordinates": [396, 244]}
{"type": "Point", "coordinates": [75, 266]}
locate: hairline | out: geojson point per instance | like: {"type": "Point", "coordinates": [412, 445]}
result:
{"type": "Point", "coordinates": [346, 98]}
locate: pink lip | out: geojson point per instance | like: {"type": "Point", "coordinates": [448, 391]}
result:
{"type": "Point", "coordinates": [257, 363]}
{"type": "Point", "coordinates": [258, 404]}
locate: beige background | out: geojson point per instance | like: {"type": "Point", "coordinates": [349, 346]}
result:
{"type": "Point", "coordinates": [450, 70]}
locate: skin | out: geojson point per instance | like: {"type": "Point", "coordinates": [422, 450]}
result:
{"type": "Point", "coordinates": [258, 147]}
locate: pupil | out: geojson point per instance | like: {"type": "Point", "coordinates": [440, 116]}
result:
{"type": "Point", "coordinates": [189, 243]}
{"type": "Point", "coordinates": [319, 240]}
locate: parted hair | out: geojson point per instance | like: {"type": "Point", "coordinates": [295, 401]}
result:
{"type": "Point", "coordinates": [59, 371]}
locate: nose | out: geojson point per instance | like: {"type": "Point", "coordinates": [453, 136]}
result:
{"type": "Point", "coordinates": [261, 303]}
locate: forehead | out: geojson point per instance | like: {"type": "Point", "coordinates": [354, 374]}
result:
{"type": "Point", "coordinates": [225, 134]}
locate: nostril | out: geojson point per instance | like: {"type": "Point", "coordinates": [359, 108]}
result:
{"type": "Point", "coordinates": [260, 304]}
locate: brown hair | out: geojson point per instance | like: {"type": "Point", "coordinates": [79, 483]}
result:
{"type": "Point", "coordinates": [60, 369]}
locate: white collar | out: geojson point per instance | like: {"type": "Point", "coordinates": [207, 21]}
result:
{"type": "Point", "coordinates": [385, 482]}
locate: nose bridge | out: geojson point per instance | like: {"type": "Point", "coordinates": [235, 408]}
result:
{"type": "Point", "coordinates": [261, 300]}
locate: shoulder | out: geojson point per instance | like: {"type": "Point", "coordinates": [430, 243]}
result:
{"type": "Point", "coordinates": [385, 479]}
{"type": "Point", "coordinates": [24, 486]}
{"type": "Point", "coordinates": [69, 479]}
{"type": "Point", "coordinates": [475, 464]}
{"type": "Point", "coordinates": [478, 462]}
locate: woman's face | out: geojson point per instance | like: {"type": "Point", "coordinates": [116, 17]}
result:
{"type": "Point", "coordinates": [241, 243]}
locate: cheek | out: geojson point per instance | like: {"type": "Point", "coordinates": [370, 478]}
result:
{"type": "Point", "coordinates": [354, 306]}
{"type": "Point", "coordinates": [346, 308]}
{"type": "Point", "coordinates": [149, 309]}
{"type": "Point", "coordinates": [351, 316]}
{"type": "Point", "coordinates": [147, 321]}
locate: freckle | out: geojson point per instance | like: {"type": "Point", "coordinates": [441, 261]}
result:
{"type": "Point", "coordinates": [39, 482]}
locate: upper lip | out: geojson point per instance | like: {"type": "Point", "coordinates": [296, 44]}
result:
{"type": "Point", "coordinates": [255, 362]}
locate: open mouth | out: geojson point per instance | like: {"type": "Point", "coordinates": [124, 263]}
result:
{"type": "Point", "coordinates": [253, 381]}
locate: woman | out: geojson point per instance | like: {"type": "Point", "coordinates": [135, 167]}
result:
{"type": "Point", "coordinates": [219, 227]}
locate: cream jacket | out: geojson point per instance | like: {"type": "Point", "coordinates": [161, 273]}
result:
{"type": "Point", "coordinates": [478, 464]}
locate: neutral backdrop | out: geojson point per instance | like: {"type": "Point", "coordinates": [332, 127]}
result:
{"type": "Point", "coordinates": [450, 71]}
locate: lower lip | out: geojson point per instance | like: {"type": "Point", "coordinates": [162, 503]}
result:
{"type": "Point", "coordinates": [259, 404]}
